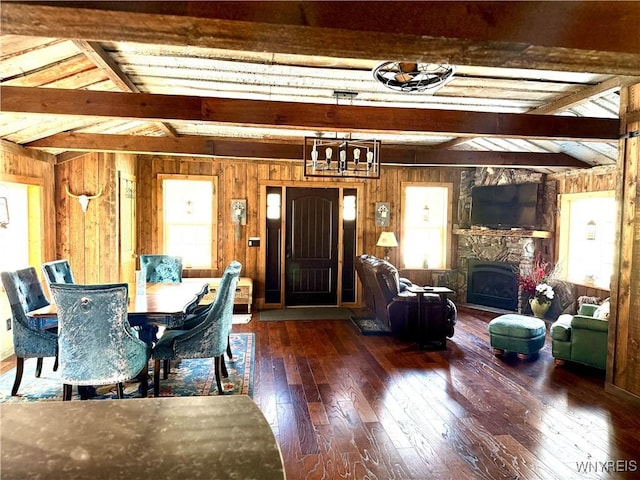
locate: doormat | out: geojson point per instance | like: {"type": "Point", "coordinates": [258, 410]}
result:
{"type": "Point", "coordinates": [370, 326]}
{"type": "Point", "coordinates": [189, 377]}
{"type": "Point", "coordinates": [305, 313]}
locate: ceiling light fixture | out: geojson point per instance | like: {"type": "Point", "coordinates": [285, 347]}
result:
{"type": "Point", "coordinates": [411, 76]}
{"type": "Point", "coordinates": [341, 157]}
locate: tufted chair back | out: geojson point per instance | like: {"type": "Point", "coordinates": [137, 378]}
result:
{"type": "Point", "coordinates": [210, 338]}
{"type": "Point", "coordinates": [25, 294]}
{"type": "Point", "coordinates": [58, 271]}
{"type": "Point", "coordinates": [96, 342]}
{"type": "Point", "coordinates": [161, 268]}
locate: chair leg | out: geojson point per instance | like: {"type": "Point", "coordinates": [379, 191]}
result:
{"type": "Point", "coordinates": [143, 376]}
{"type": "Point", "coordinates": [55, 364]}
{"type": "Point", "coordinates": [166, 366]}
{"type": "Point", "coordinates": [223, 367]}
{"type": "Point", "coordinates": [156, 378]}
{"type": "Point", "coordinates": [66, 392]}
{"type": "Point", "coordinates": [120, 389]}
{"type": "Point", "coordinates": [39, 367]}
{"type": "Point", "coordinates": [229, 354]}
{"type": "Point", "coordinates": [218, 363]}
{"type": "Point", "coordinates": [18, 379]}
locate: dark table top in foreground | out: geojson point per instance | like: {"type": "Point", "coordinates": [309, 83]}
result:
{"type": "Point", "coordinates": [142, 438]}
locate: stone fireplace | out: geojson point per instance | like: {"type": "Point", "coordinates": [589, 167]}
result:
{"type": "Point", "coordinates": [492, 284]}
{"type": "Point", "coordinates": [489, 262]}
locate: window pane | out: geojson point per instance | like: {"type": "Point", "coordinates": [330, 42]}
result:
{"type": "Point", "coordinates": [588, 258]}
{"type": "Point", "coordinates": [424, 227]}
{"type": "Point", "coordinates": [188, 217]}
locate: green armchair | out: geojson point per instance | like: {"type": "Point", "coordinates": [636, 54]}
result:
{"type": "Point", "coordinates": [580, 338]}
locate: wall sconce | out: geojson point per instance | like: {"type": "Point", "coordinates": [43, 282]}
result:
{"type": "Point", "coordinates": [382, 214]}
{"type": "Point", "coordinates": [591, 230]}
{"type": "Point", "coordinates": [239, 212]}
{"type": "Point", "coordinates": [4, 212]}
{"type": "Point", "coordinates": [238, 215]}
{"type": "Point", "coordinates": [387, 240]}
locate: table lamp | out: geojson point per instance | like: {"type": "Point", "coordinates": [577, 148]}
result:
{"type": "Point", "coordinates": [387, 240]}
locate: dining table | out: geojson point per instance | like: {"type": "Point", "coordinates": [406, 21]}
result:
{"type": "Point", "coordinates": [212, 437]}
{"type": "Point", "coordinates": [157, 305]}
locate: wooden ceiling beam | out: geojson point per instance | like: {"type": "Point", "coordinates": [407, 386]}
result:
{"type": "Point", "coordinates": [312, 117]}
{"type": "Point", "coordinates": [419, 43]}
{"type": "Point", "coordinates": [220, 147]}
{"type": "Point", "coordinates": [94, 52]}
{"type": "Point", "coordinates": [564, 103]}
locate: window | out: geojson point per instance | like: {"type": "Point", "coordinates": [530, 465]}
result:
{"type": "Point", "coordinates": [587, 236]}
{"type": "Point", "coordinates": [188, 212]}
{"type": "Point", "coordinates": [426, 225]}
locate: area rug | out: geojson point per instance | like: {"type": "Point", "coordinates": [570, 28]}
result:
{"type": "Point", "coordinates": [189, 377]}
{"type": "Point", "coordinates": [370, 326]}
{"type": "Point", "coordinates": [305, 313]}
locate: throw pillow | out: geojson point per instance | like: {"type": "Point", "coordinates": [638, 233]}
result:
{"type": "Point", "coordinates": [589, 300]}
{"type": "Point", "coordinates": [602, 312]}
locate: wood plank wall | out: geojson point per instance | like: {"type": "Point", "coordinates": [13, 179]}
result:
{"type": "Point", "coordinates": [90, 240]}
{"type": "Point", "coordinates": [596, 179]}
{"type": "Point", "coordinates": [242, 179]}
{"type": "Point", "coordinates": [623, 368]}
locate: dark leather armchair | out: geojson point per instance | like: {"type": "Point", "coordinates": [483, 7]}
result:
{"type": "Point", "coordinates": [387, 297]}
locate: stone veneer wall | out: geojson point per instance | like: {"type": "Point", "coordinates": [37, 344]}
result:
{"type": "Point", "coordinates": [517, 247]}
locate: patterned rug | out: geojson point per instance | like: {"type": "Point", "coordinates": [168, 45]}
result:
{"type": "Point", "coordinates": [190, 377]}
{"type": "Point", "coordinates": [370, 326]}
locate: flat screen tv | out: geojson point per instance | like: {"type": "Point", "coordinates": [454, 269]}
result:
{"type": "Point", "coordinates": [505, 206]}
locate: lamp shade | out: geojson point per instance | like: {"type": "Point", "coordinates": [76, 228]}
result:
{"type": "Point", "coordinates": [387, 239]}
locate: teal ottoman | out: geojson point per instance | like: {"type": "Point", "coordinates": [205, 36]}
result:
{"type": "Point", "coordinates": [516, 333]}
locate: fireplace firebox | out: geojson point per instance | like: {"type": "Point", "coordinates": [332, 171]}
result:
{"type": "Point", "coordinates": [492, 284]}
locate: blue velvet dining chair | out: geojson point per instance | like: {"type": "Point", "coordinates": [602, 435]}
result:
{"type": "Point", "coordinates": [161, 268]}
{"type": "Point", "coordinates": [58, 271]}
{"type": "Point", "coordinates": [208, 339]}
{"type": "Point", "coordinates": [96, 342]}
{"type": "Point", "coordinates": [29, 341]}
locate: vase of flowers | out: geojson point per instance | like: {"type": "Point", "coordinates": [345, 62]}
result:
{"type": "Point", "coordinates": [534, 285]}
{"type": "Point", "coordinates": [541, 300]}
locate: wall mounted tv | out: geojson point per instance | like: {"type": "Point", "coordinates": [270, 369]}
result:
{"type": "Point", "coordinates": [505, 206]}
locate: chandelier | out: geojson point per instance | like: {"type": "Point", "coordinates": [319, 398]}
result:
{"type": "Point", "coordinates": [341, 157]}
{"type": "Point", "coordinates": [412, 77]}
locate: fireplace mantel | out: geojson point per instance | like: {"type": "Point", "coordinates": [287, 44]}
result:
{"type": "Point", "coordinates": [503, 233]}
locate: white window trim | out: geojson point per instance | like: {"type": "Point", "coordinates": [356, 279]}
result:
{"type": "Point", "coordinates": [563, 237]}
{"type": "Point", "coordinates": [448, 227]}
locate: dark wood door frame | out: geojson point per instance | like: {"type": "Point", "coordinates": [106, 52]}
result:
{"type": "Point", "coordinates": [358, 188]}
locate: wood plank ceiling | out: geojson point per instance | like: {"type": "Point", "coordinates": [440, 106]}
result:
{"type": "Point", "coordinates": [535, 84]}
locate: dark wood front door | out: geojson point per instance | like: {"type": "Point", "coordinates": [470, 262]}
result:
{"type": "Point", "coordinates": [311, 262]}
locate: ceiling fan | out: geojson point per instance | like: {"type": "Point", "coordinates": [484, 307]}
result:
{"type": "Point", "coordinates": [411, 76]}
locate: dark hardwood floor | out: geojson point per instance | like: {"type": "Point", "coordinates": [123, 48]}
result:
{"type": "Point", "coordinates": [347, 406]}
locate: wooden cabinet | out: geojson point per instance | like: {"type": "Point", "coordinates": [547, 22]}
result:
{"type": "Point", "coordinates": [244, 291]}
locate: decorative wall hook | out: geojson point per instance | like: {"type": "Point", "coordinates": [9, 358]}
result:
{"type": "Point", "coordinates": [83, 199]}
